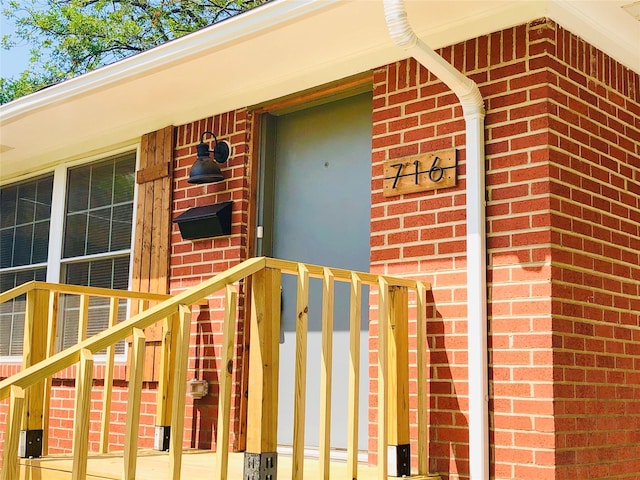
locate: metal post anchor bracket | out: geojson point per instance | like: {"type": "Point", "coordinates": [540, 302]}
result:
{"type": "Point", "coordinates": [260, 466]}
{"type": "Point", "coordinates": [161, 438]}
{"type": "Point", "coordinates": [399, 460]}
{"type": "Point", "coordinates": [30, 444]}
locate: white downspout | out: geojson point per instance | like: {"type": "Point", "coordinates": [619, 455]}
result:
{"type": "Point", "coordinates": [473, 108]}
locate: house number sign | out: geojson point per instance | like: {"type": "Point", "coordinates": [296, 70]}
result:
{"type": "Point", "coordinates": [420, 173]}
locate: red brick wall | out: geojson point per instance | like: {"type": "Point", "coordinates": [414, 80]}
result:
{"type": "Point", "coordinates": [62, 409]}
{"type": "Point", "coordinates": [424, 234]}
{"type": "Point", "coordinates": [559, 143]}
{"type": "Point", "coordinates": [63, 413]}
{"type": "Point", "coordinates": [194, 261]}
{"type": "Point", "coordinates": [595, 201]}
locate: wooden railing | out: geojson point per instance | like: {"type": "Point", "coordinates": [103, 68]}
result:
{"type": "Point", "coordinates": [43, 303]}
{"type": "Point", "coordinates": [264, 275]}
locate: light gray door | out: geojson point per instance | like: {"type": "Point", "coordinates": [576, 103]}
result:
{"type": "Point", "coordinates": [319, 200]}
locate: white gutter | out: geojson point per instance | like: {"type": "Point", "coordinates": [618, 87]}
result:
{"type": "Point", "coordinates": [473, 108]}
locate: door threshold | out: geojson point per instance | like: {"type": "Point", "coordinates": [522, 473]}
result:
{"type": "Point", "coordinates": [336, 454]}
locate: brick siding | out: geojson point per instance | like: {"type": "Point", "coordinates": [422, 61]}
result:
{"type": "Point", "coordinates": [595, 200]}
{"type": "Point", "coordinates": [562, 156]}
{"type": "Point", "coordinates": [563, 238]}
{"type": "Point", "coordinates": [194, 261]}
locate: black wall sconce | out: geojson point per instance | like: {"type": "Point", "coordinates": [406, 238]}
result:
{"type": "Point", "coordinates": [205, 169]}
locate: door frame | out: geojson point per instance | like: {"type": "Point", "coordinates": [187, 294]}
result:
{"type": "Point", "coordinates": [256, 118]}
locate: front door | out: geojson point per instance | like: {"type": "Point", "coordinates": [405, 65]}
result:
{"type": "Point", "coordinates": [317, 201]}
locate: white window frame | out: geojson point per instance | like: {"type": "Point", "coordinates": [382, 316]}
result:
{"type": "Point", "coordinates": [55, 261]}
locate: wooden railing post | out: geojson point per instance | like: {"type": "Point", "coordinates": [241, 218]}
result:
{"type": "Point", "coordinates": [399, 452]}
{"type": "Point", "coordinates": [225, 381]}
{"type": "Point", "coordinates": [355, 320]}
{"type": "Point", "coordinates": [300, 385]}
{"type": "Point", "coordinates": [134, 396]}
{"type": "Point", "coordinates": [164, 399]}
{"type": "Point", "coordinates": [260, 458]}
{"type": "Point", "coordinates": [383, 367]}
{"type": "Point", "coordinates": [108, 381]}
{"type": "Point", "coordinates": [10, 465]}
{"type": "Point", "coordinates": [84, 380]}
{"type": "Point", "coordinates": [34, 351]}
{"type": "Point", "coordinates": [183, 333]}
{"type": "Point", "coordinates": [326, 372]}
{"type": "Point", "coordinates": [52, 328]}
{"type": "Point", "coordinates": [423, 408]}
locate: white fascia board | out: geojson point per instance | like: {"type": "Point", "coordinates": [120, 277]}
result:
{"type": "Point", "coordinates": [238, 28]}
{"type": "Point", "coordinates": [605, 24]}
{"type": "Point", "coordinates": [496, 16]}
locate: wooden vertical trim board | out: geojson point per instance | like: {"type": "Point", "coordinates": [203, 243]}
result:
{"type": "Point", "coordinates": [151, 255]}
{"type": "Point", "coordinates": [355, 321]}
{"type": "Point", "coordinates": [423, 431]}
{"type": "Point", "coordinates": [10, 466]}
{"type": "Point", "coordinates": [326, 372]}
{"type": "Point", "coordinates": [225, 380]}
{"type": "Point", "coordinates": [134, 400]}
{"type": "Point", "coordinates": [166, 198]}
{"type": "Point", "coordinates": [147, 239]}
{"type": "Point", "coordinates": [179, 392]}
{"type": "Point", "coordinates": [82, 415]}
{"type": "Point", "coordinates": [299, 406]}
{"type": "Point", "coordinates": [150, 271]}
{"type": "Point", "coordinates": [262, 414]}
{"type": "Point", "coordinates": [383, 325]}
{"type": "Point", "coordinates": [155, 230]}
{"type": "Point", "coordinates": [108, 381]}
{"type": "Point", "coordinates": [144, 218]}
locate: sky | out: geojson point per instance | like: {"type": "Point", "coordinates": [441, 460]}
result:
{"type": "Point", "coordinates": [14, 61]}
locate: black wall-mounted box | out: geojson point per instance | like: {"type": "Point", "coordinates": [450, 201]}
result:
{"type": "Point", "coordinates": [205, 222]}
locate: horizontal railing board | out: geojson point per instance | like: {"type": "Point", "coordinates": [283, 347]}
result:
{"type": "Point", "coordinates": [78, 290]}
{"type": "Point", "coordinates": [341, 274]}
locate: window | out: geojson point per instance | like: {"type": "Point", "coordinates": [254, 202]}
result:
{"type": "Point", "coordinates": [92, 247]}
{"type": "Point", "coordinates": [25, 217]}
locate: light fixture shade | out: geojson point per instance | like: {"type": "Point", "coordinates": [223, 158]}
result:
{"type": "Point", "coordinates": [205, 170]}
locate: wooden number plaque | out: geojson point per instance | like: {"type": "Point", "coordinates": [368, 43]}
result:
{"type": "Point", "coordinates": [420, 173]}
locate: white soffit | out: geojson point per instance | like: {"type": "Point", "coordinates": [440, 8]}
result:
{"type": "Point", "coordinates": [280, 48]}
{"type": "Point", "coordinates": [606, 24]}
{"type": "Point", "coordinates": [633, 9]}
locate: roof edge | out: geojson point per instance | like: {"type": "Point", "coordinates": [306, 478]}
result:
{"type": "Point", "coordinates": [234, 29]}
